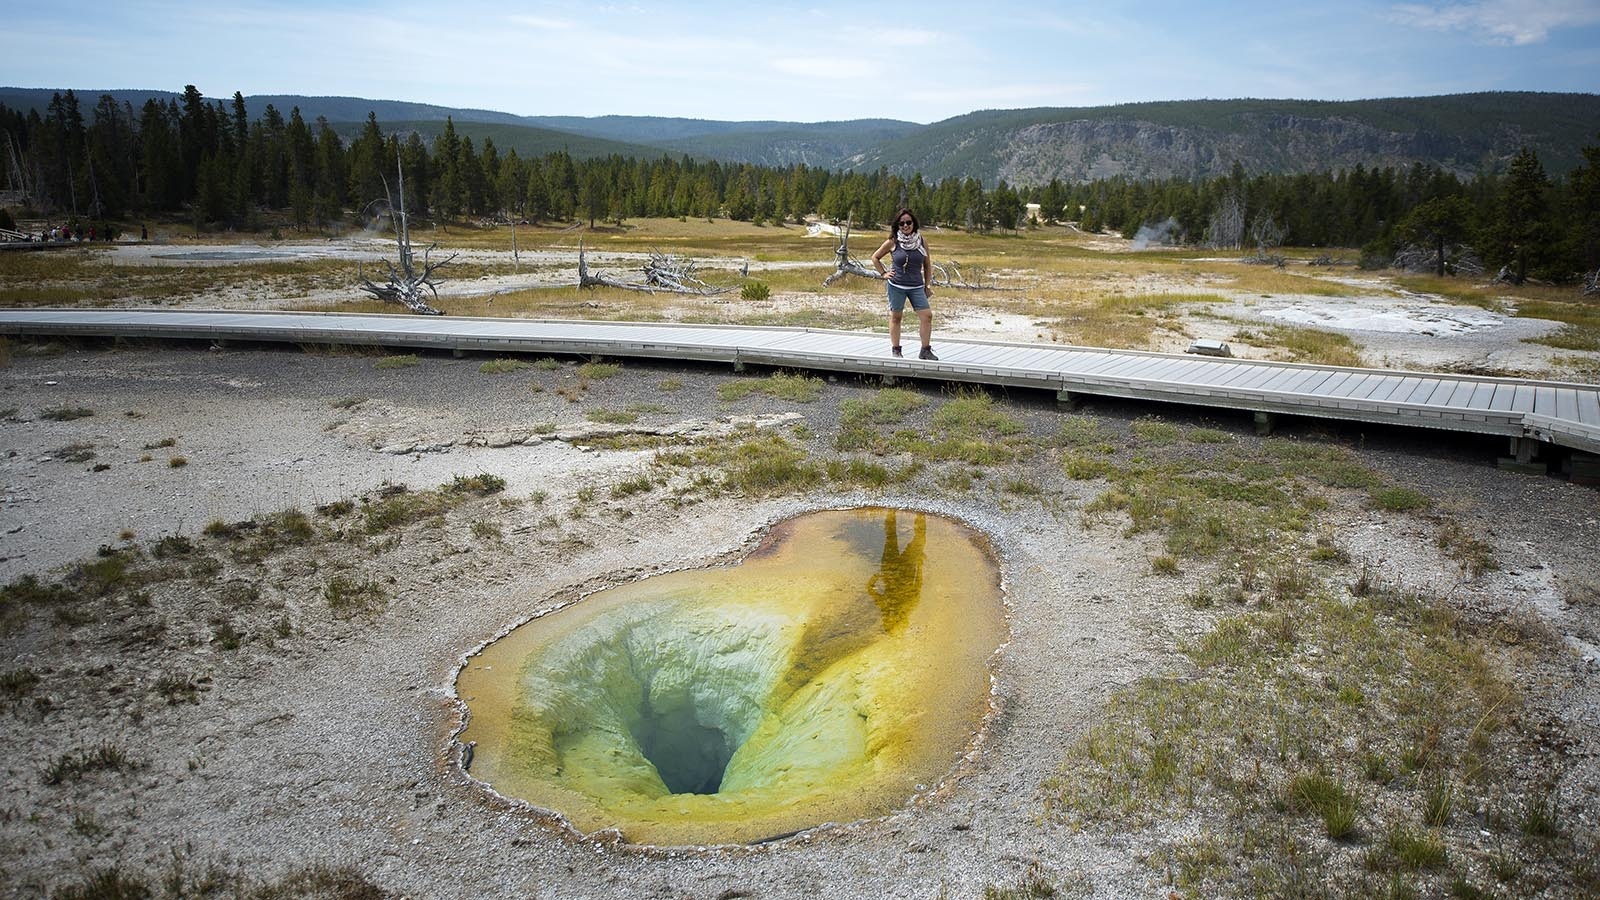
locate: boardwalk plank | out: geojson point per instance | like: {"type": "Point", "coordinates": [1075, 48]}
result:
{"type": "Point", "coordinates": [1482, 396]}
{"type": "Point", "coordinates": [1566, 404]}
{"type": "Point", "coordinates": [1589, 407]}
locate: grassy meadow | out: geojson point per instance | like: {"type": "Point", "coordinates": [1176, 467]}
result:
{"type": "Point", "coordinates": [1071, 288]}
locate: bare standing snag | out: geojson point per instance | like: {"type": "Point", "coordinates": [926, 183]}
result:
{"type": "Point", "coordinates": [406, 284]}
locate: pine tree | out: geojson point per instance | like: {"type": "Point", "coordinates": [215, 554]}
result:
{"type": "Point", "coordinates": [1519, 231]}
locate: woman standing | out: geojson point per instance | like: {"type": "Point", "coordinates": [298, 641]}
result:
{"type": "Point", "coordinates": [910, 278]}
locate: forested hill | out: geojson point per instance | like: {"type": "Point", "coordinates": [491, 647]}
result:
{"type": "Point", "coordinates": [1466, 134]}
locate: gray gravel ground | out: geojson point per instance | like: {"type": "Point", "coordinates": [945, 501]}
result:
{"type": "Point", "coordinates": [332, 743]}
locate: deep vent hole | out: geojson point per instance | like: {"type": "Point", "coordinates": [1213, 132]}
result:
{"type": "Point", "coordinates": [690, 757]}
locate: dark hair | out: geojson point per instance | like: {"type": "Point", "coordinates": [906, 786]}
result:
{"type": "Point", "coordinates": [894, 223]}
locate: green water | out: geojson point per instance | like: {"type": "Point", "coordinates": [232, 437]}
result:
{"type": "Point", "coordinates": [833, 673]}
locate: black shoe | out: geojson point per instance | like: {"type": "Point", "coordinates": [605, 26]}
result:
{"type": "Point", "coordinates": [896, 351]}
{"type": "Point", "coordinates": [927, 353]}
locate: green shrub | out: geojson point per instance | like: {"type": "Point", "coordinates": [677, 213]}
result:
{"type": "Point", "coordinates": [757, 291]}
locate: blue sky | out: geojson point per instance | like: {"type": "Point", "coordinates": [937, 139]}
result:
{"type": "Point", "coordinates": [917, 61]}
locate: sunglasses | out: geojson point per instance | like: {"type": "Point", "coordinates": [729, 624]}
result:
{"type": "Point", "coordinates": [906, 222]}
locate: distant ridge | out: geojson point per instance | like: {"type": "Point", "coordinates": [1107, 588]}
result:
{"type": "Point", "coordinates": [1463, 133]}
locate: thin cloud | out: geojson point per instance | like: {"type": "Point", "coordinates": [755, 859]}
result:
{"type": "Point", "coordinates": [831, 67]}
{"type": "Point", "coordinates": [1506, 22]}
{"type": "Point", "coordinates": [541, 23]}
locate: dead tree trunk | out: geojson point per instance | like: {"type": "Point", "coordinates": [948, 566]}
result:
{"type": "Point", "coordinates": [664, 273]}
{"type": "Point", "coordinates": [843, 265]}
{"type": "Point", "coordinates": [1226, 228]}
{"type": "Point", "coordinates": [406, 283]}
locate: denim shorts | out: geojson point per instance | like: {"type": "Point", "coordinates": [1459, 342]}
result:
{"type": "Point", "coordinates": [899, 295]}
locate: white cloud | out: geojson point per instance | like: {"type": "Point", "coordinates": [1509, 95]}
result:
{"type": "Point", "coordinates": [1507, 22]}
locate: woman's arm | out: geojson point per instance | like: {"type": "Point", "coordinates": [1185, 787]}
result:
{"type": "Point", "coordinates": [877, 258]}
{"type": "Point", "coordinates": [927, 268]}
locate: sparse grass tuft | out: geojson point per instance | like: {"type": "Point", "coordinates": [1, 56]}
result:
{"type": "Point", "coordinates": [398, 361]}
{"type": "Point", "coordinates": [65, 413]}
{"type": "Point", "coordinates": [1415, 848]}
{"type": "Point", "coordinates": [74, 764]}
{"type": "Point", "coordinates": [1326, 798]}
{"type": "Point", "coordinates": [502, 366]}
{"type": "Point", "coordinates": [480, 485]}
{"type": "Point", "coordinates": [759, 463]}
{"type": "Point", "coordinates": [611, 416]}
{"type": "Point", "coordinates": [859, 420]}
{"type": "Point", "coordinates": [595, 369]}
{"type": "Point", "coordinates": [179, 688]}
{"type": "Point", "coordinates": [630, 486]}
{"type": "Point", "coordinates": [1310, 345]}
{"type": "Point", "coordinates": [1031, 885]}
{"type": "Point", "coordinates": [1475, 554]}
{"type": "Point", "coordinates": [17, 683]}
{"type": "Point", "coordinates": [348, 597]}
{"type": "Point", "coordinates": [1156, 432]}
{"type": "Point", "coordinates": [970, 427]}
{"type": "Point", "coordinates": [793, 387]}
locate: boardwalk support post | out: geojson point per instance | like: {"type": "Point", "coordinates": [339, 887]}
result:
{"type": "Point", "coordinates": [1067, 400]}
{"type": "Point", "coordinates": [1524, 452]}
{"type": "Point", "coordinates": [1584, 468]}
{"type": "Point", "coordinates": [738, 364]}
{"type": "Point", "coordinates": [1265, 422]}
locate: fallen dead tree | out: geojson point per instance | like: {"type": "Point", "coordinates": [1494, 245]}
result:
{"type": "Point", "coordinates": [663, 273]}
{"type": "Point", "coordinates": [406, 284]}
{"type": "Point", "coordinates": [1591, 284]}
{"type": "Point", "coordinates": [844, 264]}
{"type": "Point", "coordinates": [1459, 259]}
{"type": "Point", "coordinates": [951, 276]}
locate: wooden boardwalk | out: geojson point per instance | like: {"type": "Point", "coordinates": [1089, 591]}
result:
{"type": "Point", "coordinates": [1528, 412]}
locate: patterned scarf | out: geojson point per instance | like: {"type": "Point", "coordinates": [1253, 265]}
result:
{"type": "Point", "coordinates": [912, 244]}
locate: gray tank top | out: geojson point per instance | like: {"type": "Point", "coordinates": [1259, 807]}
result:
{"type": "Point", "coordinates": [907, 268]}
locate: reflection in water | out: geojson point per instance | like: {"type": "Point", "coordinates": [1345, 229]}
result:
{"type": "Point", "coordinates": [897, 585]}
{"type": "Point", "coordinates": [824, 678]}
{"type": "Point", "coordinates": [891, 593]}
